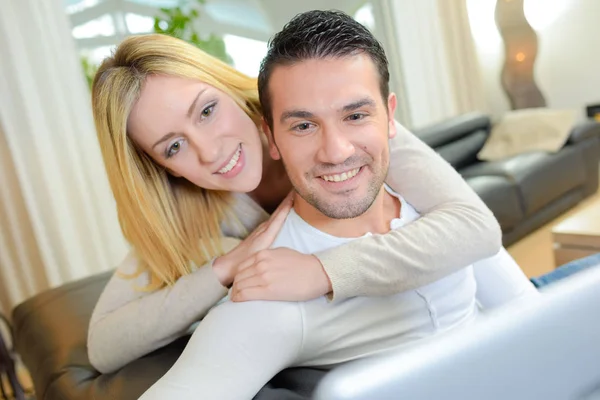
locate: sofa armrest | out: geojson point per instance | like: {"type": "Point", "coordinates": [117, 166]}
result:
{"type": "Point", "coordinates": [453, 129]}
{"type": "Point", "coordinates": [51, 330]}
{"type": "Point", "coordinates": [584, 130]}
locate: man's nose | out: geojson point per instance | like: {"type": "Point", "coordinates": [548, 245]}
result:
{"type": "Point", "coordinates": [335, 146]}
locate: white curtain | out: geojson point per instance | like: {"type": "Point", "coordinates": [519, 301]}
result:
{"type": "Point", "coordinates": [440, 67]}
{"type": "Point", "coordinates": [57, 215]}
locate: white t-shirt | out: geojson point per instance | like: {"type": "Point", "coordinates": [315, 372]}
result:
{"type": "Point", "coordinates": [360, 326]}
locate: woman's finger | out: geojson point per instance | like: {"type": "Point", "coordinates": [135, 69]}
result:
{"type": "Point", "coordinates": [248, 282]}
{"type": "Point", "coordinates": [277, 220]}
{"type": "Point", "coordinates": [246, 272]}
{"type": "Point", "coordinates": [247, 279]}
{"type": "Point", "coordinates": [252, 293]}
{"type": "Point", "coordinates": [283, 208]}
{"type": "Point", "coordinates": [248, 262]}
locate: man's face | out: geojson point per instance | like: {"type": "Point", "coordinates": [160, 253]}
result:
{"type": "Point", "coordinates": [331, 129]}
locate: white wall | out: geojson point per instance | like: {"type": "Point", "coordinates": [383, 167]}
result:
{"type": "Point", "coordinates": [568, 64]}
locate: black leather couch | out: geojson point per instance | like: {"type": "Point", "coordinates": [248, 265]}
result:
{"type": "Point", "coordinates": [525, 191]}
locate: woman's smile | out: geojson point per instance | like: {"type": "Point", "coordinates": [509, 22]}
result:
{"type": "Point", "coordinates": [234, 165]}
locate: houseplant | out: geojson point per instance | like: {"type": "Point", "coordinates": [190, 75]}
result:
{"type": "Point", "coordinates": [178, 21]}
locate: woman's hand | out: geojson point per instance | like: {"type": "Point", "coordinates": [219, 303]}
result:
{"type": "Point", "coordinates": [226, 266]}
{"type": "Point", "coordinates": [280, 274]}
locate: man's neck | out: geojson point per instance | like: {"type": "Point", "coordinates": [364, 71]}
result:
{"type": "Point", "coordinates": [376, 219]}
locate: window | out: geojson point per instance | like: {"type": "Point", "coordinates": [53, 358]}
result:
{"type": "Point", "coordinates": [244, 25]}
{"type": "Point", "coordinates": [246, 53]}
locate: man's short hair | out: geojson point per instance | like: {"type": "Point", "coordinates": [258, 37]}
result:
{"type": "Point", "coordinates": [317, 35]}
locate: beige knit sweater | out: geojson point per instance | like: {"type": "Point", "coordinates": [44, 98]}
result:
{"type": "Point", "coordinates": [456, 229]}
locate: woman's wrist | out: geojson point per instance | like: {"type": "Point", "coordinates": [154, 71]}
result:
{"type": "Point", "coordinates": [327, 285]}
{"type": "Point", "coordinates": [223, 270]}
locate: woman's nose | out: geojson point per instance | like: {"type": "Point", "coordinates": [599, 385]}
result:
{"type": "Point", "coordinates": [208, 150]}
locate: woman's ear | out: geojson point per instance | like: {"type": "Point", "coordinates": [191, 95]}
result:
{"type": "Point", "coordinates": [273, 150]}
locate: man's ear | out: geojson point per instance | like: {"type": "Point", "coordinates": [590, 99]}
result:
{"type": "Point", "coordinates": [391, 104]}
{"type": "Point", "coordinates": [273, 150]}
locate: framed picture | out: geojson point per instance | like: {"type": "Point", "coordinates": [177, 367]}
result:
{"type": "Point", "coordinates": [593, 111]}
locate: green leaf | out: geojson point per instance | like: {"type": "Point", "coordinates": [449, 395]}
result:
{"type": "Point", "coordinates": [180, 24]}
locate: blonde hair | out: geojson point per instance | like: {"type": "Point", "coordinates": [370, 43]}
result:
{"type": "Point", "coordinates": [170, 222]}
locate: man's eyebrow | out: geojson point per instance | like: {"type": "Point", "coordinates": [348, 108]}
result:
{"type": "Point", "coordinates": [193, 105]}
{"type": "Point", "coordinates": [295, 114]}
{"type": "Point", "coordinates": [367, 101]}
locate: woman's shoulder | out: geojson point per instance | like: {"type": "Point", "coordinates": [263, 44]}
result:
{"type": "Point", "coordinates": [129, 273]}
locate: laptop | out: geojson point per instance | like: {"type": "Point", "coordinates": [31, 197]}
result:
{"type": "Point", "coordinates": [547, 349]}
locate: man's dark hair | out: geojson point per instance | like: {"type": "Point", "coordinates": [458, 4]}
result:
{"type": "Point", "coordinates": [315, 35]}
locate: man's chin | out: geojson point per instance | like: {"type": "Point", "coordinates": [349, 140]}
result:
{"type": "Point", "coordinates": [342, 209]}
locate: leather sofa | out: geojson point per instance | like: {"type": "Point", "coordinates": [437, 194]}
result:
{"type": "Point", "coordinates": [525, 191]}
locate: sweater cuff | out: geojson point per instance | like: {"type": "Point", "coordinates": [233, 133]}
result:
{"type": "Point", "coordinates": [209, 280]}
{"type": "Point", "coordinates": [343, 280]}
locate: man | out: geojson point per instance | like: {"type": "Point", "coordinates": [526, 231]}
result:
{"type": "Point", "coordinates": [328, 117]}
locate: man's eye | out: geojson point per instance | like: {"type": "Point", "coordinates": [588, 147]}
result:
{"type": "Point", "coordinates": [356, 117]}
{"type": "Point", "coordinates": [303, 126]}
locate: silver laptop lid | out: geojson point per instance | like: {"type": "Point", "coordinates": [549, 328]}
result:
{"type": "Point", "coordinates": [546, 349]}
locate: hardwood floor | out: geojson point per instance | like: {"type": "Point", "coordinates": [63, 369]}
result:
{"type": "Point", "coordinates": [534, 253]}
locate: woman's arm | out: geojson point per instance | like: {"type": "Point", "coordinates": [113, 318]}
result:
{"type": "Point", "coordinates": [128, 323]}
{"type": "Point", "coordinates": [455, 230]}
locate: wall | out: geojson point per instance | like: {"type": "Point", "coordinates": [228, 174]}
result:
{"type": "Point", "coordinates": [567, 68]}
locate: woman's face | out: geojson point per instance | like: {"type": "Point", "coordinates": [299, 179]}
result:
{"type": "Point", "coordinates": [197, 132]}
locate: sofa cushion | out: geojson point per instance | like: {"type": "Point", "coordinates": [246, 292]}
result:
{"type": "Point", "coordinates": [526, 130]}
{"type": "Point", "coordinates": [463, 151]}
{"type": "Point", "coordinates": [540, 177]}
{"type": "Point", "coordinates": [452, 129]}
{"type": "Point", "coordinates": [501, 196]}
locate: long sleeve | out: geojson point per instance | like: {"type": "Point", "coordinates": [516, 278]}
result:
{"type": "Point", "coordinates": [500, 281]}
{"type": "Point", "coordinates": [234, 352]}
{"type": "Point", "coordinates": [456, 229]}
{"type": "Point", "coordinates": [128, 323]}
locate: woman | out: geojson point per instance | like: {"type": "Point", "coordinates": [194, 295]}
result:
{"type": "Point", "coordinates": [165, 112]}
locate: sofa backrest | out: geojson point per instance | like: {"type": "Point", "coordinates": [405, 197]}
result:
{"type": "Point", "coordinates": [458, 139]}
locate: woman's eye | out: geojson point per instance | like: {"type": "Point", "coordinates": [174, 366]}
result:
{"type": "Point", "coordinates": [207, 111]}
{"type": "Point", "coordinates": [173, 149]}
